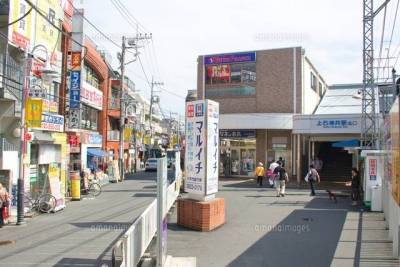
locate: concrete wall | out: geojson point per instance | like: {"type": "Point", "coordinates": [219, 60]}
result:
{"type": "Point", "coordinates": [392, 216]}
{"type": "Point", "coordinates": [311, 97]}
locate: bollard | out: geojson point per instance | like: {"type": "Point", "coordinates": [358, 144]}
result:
{"type": "Point", "coordinates": [75, 186]}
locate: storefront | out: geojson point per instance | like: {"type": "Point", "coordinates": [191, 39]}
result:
{"type": "Point", "coordinates": [237, 152]}
{"type": "Point", "coordinates": [48, 157]}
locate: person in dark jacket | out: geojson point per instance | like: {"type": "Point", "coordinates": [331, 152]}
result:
{"type": "Point", "coordinates": [355, 185]}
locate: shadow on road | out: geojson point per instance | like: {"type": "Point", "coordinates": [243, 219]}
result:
{"type": "Point", "coordinates": [297, 238]}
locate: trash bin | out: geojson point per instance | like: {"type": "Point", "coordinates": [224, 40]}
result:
{"type": "Point", "coordinates": [376, 198]}
{"type": "Point", "coordinates": [75, 185]}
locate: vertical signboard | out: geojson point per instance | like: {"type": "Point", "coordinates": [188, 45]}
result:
{"type": "Point", "coordinates": [162, 184]}
{"type": "Point", "coordinates": [195, 147]}
{"type": "Point", "coordinates": [372, 169]}
{"type": "Point", "coordinates": [33, 113]}
{"type": "Point", "coordinates": [20, 33]}
{"type": "Point", "coordinates": [202, 154]}
{"type": "Point", "coordinates": [75, 91]}
{"type": "Point", "coordinates": [212, 147]}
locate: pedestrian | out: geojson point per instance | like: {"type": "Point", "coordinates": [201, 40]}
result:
{"type": "Point", "coordinates": [272, 167]}
{"type": "Point", "coordinates": [260, 172]}
{"type": "Point", "coordinates": [4, 203]}
{"type": "Point", "coordinates": [281, 178]}
{"type": "Point", "coordinates": [355, 186]}
{"type": "Point", "coordinates": [313, 177]}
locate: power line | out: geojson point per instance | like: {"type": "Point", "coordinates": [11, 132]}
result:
{"type": "Point", "coordinates": [131, 16]}
{"type": "Point", "coordinates": [52, 24]}
{"type": "Point", "coordinates": [17, 20]}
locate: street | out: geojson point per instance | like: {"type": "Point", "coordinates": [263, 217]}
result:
{"type": "Point", "coordinates": [84, 233]}
{"type": "Point", "coordinates": [297, 230]}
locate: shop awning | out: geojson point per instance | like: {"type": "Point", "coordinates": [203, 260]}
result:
{"type": "Point", "coordinates": [96, 152]}
{"type": "Point", "coordinates": [347, 143]}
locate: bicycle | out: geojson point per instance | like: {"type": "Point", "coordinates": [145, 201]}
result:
{"type": "Point", "coordinates": [44, 203]}
{"type": "Point", "coordinates": [93, 189]}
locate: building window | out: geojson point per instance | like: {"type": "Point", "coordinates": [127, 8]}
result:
{"type": "Point", "coordinates": [313, 79]}
{"type": "Point", "coordinates": [231, 91]}
{"type": "Point", "coordinates": [54, 92]}
{"type": "Point", "coordinates": [320, 89]}
{"type": "Point", "coordinates": [89, 118]}
{"type": "Point", "coordinates": [90, 76]}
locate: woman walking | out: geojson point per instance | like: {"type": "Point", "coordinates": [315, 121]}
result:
{"type": "Point", "coordinates": [4, 203]}
{"type": "Point", "coordinates": [313, 176]}
{"type": "Point", "coordinates": [355, 186]}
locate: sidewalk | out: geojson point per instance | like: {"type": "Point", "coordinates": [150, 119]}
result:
{"type": "Point", "coordinates": [297, 230]}
{"type": "Point", "coordinates": [82, 234]}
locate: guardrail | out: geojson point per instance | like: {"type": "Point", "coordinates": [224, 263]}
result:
{"type": "Point", "coordinates": [130, 248]}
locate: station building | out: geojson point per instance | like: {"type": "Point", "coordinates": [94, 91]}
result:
{"type": "Point", "coordinates": [259, 93]}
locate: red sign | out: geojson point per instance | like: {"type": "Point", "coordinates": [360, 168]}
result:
{"type": "Point", "coordinates": [20, 40]}
{"type": "Point", "coordinates": [372, 167]}
{"type": "Point", "coordinates": [190, 111]}
{"type": "Point", "coordinates": [67, 7]}
{"type": "Point", "coordinates": [28, 137]}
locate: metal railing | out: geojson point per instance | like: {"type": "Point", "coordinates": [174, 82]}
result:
{"type": "Point", "coordinates": [130, 248]}
{"type": "Point", "coordinates": [7, 146]}
{"type": "Point", "coordinates": [113, 135]}
{"type": "Point", "coordinates": [11, 78]}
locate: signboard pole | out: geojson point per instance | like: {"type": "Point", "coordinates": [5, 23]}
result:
{"type": "Point", "coordinates": [162, 183]}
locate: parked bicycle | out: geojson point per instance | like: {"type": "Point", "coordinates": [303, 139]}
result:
{"type": "Point", "coordinates": [90, 187]}
{"type": "Point", "coordinates": [45, 203]}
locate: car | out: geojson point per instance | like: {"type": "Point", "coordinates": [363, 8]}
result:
{"type": "Point", "coordinates": [151, 164]}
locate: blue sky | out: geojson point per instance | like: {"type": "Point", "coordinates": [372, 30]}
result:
{"type": "Point", "coordinates": [329, 30]}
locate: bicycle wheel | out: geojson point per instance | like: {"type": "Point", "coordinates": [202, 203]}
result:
{"type": "Point", "coordinates": [29, 203]}
{"type": "Point", "coordinates": [47, 203]}
{"type": "Point", "coordinates": [94, 189]}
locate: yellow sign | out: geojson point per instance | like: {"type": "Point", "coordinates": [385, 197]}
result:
{"type": "Point", "coordinates": [127, 134]}
{"type": "Point", "coordinates": [33, 113]}
{"type": "Point", "coordinates": [46, 34]}
{"type": "Point", "coordinates": [147, 140]}
{"type": "Point", "coordinates": [49, 106]}
{"type": "Point", "coordinates": [20, 33]}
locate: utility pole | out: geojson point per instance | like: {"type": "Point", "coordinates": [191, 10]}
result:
{"type": "Point", "coordinates": [132, 44]}
{"type": "Point", "coordinates": [122, 112]}
{"type": "Point", "coordinates": [153, 83]}
{"type": "Point", "coordinates": [369, 133]}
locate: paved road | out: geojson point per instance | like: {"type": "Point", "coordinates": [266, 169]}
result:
{"type": "Point", "coordinates": [297, 230]}
{"type": "Point", "coordinates": [84, 232]}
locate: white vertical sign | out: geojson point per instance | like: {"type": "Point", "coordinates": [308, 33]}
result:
{"type": "Point", "coordinates": [212, 147]}
{"type": "Point", "coordinates": [162, 184]}
{"type": "Point", "coordinates": [195, 147]}
{"type": "Point", "coordinates": [202, 155]}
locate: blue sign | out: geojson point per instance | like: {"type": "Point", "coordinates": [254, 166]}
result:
{"type": "Point", "coordinates": [341, 124]}
{"type": "Point", "coordinates": [53, 119]}
{"type": "Point", "coordinates": [237, 133]}
{"type": "Point", "coordinates": [230, 58]}
{"type": "Point", "coordinates": [75, 90]}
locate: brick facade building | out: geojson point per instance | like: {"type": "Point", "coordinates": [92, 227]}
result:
{"type": "Point", "coordinates": [259, 92]}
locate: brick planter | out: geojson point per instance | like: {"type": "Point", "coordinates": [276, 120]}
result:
{"type": "Point", "coordinates": [201, 216]}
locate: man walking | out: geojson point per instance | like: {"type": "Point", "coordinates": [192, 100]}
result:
{"type": "Point", "coordinates": [260, 172]}
{"type": "Point", "coordinates": [281, 178]}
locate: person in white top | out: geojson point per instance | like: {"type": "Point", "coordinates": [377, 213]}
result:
{"type": "Point", "coordinates": [273, 165]}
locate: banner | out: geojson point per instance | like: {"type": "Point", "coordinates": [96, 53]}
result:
{"type": "Point", "coordinates": [212, 147]}
{"type": "Point", "coordinates": [20, 33]}
{"type": "Point", "coordinates": [33, 113]}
